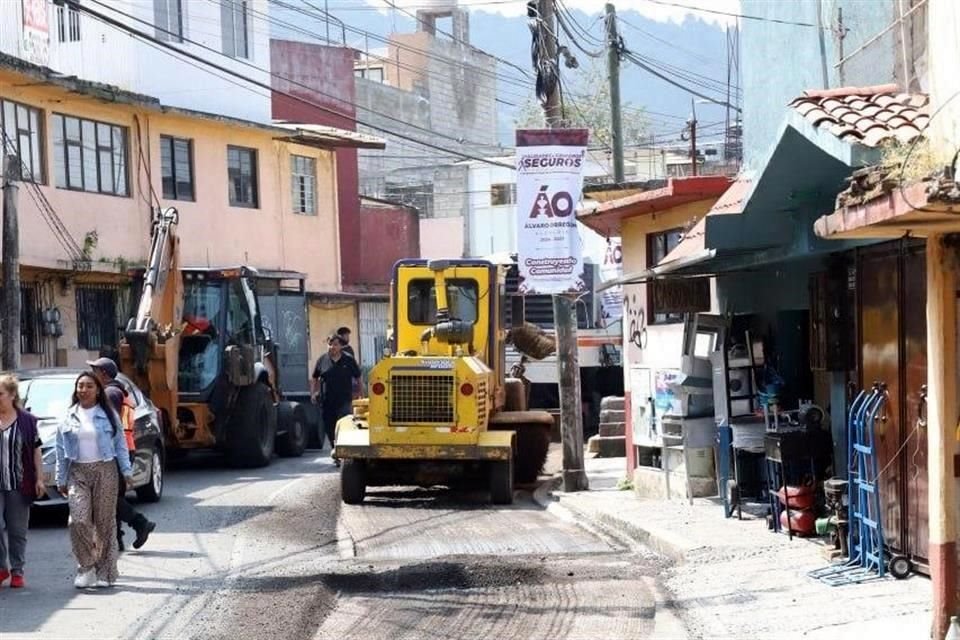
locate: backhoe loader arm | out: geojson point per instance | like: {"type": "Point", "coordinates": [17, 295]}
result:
{"type": "Point", "coordinates": [150, 349]}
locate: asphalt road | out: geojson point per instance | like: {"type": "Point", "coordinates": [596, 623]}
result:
{"type": "Point", "coordinates": [272, 553]}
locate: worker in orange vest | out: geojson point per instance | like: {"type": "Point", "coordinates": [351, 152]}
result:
{"type": "Point", "coordinates": [106, 371]}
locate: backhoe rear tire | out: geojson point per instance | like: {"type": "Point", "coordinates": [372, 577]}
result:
{"type": "Point", "coordinates": [253, 428]}
{"type": "Point", "coordinates": [353, 481]}
{"type": "Point", "coordinates": [501, 482]}
{"type": "Point", "coordinates": [294, 440]}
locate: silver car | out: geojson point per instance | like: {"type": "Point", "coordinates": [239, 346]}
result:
{"type": "Point", "coordinates": [46, 394]}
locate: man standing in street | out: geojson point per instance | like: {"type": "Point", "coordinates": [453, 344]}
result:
{"type": "Point", "coordinates": [332, 383]}
{"type": "Point", "coordinates": [106, 371]}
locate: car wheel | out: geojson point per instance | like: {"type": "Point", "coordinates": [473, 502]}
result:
{"type": "Point", "coordinates": [153, 490]}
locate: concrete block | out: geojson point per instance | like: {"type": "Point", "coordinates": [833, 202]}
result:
{"type": "Point", "coordinates": [593, 445]}
{"type": "Point", "coordinates": [649, 482]}
{"type": "Point", "coordinates": [608, 447]}
{"type": "Point", "coordinates": [613, 429]}
{"type": "Point", "coordinates": [613, 403]}
{"type": "Point", "coordinates": [612, 415]}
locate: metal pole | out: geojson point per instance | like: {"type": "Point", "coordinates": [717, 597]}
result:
{"type": "Point", "coordinates": [613, 75]}
{"type": "Point", "coordinates": [326, 13]}
{"type": "Point", "coordinates": [565, 317]}
{"type": "Point", "coordinates": [11, 266]}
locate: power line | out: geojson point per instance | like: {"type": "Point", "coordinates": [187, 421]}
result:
{"type": "Point", "coordinates": [271, 20]}
{"type": "Point", "coordinates": [523, 71]}
{"type": "Point", "coordinates": [403, 46]}
{"type": "Point", "coordinates": [637, 61]}
{"type": "Point", "coordinates": [299, 84]}
{"type": "Point", "coordinates": [75, 4]}
{"type": "Point", "coordinates": [732, 15]}
{"type": "Point", "coordinates": [664, 41]}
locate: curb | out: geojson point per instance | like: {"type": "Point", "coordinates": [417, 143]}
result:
{"type": "Point", "coordinates": [546, 496]}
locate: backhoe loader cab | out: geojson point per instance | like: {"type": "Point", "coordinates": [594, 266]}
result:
{"type": "Point", "coordinates": [436, 411]}
{"type": "Point", "coordinates": [197, 346]}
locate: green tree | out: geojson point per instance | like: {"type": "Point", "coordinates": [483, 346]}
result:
{"type": "Point", "coordinates": [587, 105]}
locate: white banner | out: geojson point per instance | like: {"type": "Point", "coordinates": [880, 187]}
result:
{"type": "Point", "coordinates": [611, 302]}
{"type": "Point", "coordinates": [549, 184]}
{"type": "Point", "coordinates": [36, 32]}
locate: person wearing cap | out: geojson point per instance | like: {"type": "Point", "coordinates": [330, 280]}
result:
{"type": "Point", "coordinates": [105, 370]}
{"type": "Point", "coordinates": [335, 372]}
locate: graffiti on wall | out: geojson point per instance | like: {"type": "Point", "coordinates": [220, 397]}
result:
{"type": "Point", "coordinates": [636, 320]}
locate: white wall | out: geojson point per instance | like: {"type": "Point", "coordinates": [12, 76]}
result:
{"type": "Point", "coordinates": [108, 55]}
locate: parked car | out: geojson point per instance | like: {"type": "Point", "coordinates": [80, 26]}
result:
{"type": "Point", "coordinates": [46, 394]}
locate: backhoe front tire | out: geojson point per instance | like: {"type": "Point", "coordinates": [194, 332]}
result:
{"type": "Point", "coordinates": [501, 482]}
{"type": "Point", "coordinates": [253, 428]}
{"type": "Point", "coordinates": [353, 481]}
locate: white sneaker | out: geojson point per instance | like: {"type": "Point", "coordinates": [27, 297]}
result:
{"type": "Point", "coordinates": [85, 579]}
{"type": "Point", "coordinates": [104, 584]}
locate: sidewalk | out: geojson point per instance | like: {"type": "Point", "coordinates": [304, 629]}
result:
{"type": "Point", "coordinates": [735, 579]}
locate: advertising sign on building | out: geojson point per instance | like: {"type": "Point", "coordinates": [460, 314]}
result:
{"type": "Point", "coordinates": [611, 304]}
{"type": "Point", "coordinates": [36, 32]}
{"type": "Point", "coordinates": [549, 182]}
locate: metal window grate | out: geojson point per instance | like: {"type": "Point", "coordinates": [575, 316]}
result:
{"type": "Point", "coordinates": [419, 399]}
{"type": "Point", "coordinates": [98, 315]}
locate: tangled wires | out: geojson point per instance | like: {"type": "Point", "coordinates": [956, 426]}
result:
{"type": "Point", "coordinates": [545, 65]}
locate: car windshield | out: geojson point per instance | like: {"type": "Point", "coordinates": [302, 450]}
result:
{"type": "Point", "coordinates": [47, 397]}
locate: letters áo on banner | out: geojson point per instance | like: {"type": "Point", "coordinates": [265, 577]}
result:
{"type": "Point", "coordinates": [549, 184]}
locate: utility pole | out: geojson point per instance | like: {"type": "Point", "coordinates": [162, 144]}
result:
{"type": "Point", "coordinates": [565, 314]}
{"type": "Point", "coordinates": [692, 128]}
{"type": "Point", "coordinates": [11, 266]}
{"type": "Point", "coordinates": [613, 74]}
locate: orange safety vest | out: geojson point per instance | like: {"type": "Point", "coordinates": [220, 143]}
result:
{"type": "Point", "coordinates": [128, 421]}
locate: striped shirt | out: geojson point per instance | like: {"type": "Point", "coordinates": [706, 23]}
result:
{"type": "Point", "coordinates": [11, 458]}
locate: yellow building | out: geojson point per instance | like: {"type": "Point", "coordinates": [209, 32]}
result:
{"type": "Point", "coordinates": [95, 163]}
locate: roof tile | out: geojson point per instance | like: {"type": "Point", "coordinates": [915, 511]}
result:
{"type": "Point", "coordinates": [867, 115]}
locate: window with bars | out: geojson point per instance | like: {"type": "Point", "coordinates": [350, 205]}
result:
{"type": "Point", "coordinates": [234, 28]}
{"type": "Point", "coordinates": [89, 155]}
{"type": "Point", "coordinates": [31, 319]}
{"type": "Point", "coordinates": [168, 18]}
{"type": "Point", "coordinates": [97, 317]}
{"type": "Point", "coordinates": [176, 167]}
{"type": "Point", "coordinates": [20, 125]}
{"type": "Point", "coordinates": [303, 178]}
{"type": "Point", "coordinates": [31, 324]}
{"type": "Point", "coordinates": [242, 177]}
{"type": "Point", "coordinates": [68, 24]}
{"type": "Point", "coordinates": [668, 300]}
{"type": "Point", "coordinates": [503, 194]}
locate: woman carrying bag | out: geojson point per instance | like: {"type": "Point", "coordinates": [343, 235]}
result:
{"type": "Point", "coordinates": [91, 447]}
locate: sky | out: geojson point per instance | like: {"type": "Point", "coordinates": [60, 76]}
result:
{"type": "Point", "coordinates": [655, 10]}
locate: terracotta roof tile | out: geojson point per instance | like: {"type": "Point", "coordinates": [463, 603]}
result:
{"type": "Point", "coordinates": [867, 115]}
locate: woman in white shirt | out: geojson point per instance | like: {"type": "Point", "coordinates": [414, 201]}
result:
{"type": "Point", "coordinates": [90, 448]}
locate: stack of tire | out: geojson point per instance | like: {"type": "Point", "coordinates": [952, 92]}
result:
{"type": "Point", "coordinates": [611, 441]}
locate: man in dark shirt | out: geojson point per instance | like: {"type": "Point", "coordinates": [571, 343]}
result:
{"type": "Point", "coordinates": [335, 372]}
{"type": "Point", "coordinates": [106, 371]}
